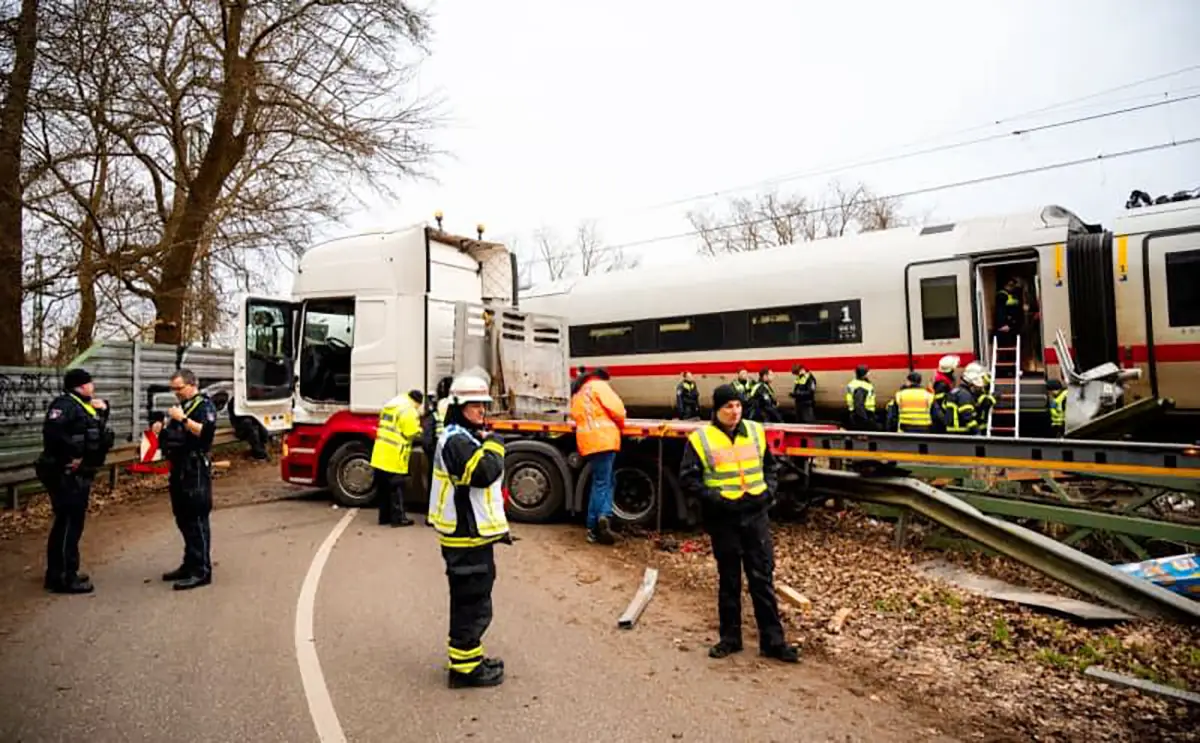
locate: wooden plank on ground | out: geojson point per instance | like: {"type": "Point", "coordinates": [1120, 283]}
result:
{"type": "Point", "coordinates": [1142, 685]}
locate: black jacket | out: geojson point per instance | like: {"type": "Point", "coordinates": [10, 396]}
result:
{"type": "Point", "coordinates": [70, 433]}
{"type": "Point", "coordinates": [456, 452]}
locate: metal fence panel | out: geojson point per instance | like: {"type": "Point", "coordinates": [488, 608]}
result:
{"type": "Point", "coordinates": [131, 377]}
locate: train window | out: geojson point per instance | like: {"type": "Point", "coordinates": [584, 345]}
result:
{"type": "Point", "coordinates": [735, 329]}
{"type": "Point", "coordinates": [1183, 288]}
{"type": "Point", "coordinates": [828, 322]}
{"type": "Point", "coordinates": [602, 340]}
{"type": "Point", "coordinates": [939, 308]}
{"type": "Point", "coordinates": [770, 328]}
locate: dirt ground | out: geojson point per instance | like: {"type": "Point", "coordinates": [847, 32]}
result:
{"type": "Point", "coordinates": [1003, 671]}
{"type": "Point", "coordinates": [979, 668]}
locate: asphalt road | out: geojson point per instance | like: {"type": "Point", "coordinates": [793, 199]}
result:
{"type": "Point", "coordinates": [137, 661]}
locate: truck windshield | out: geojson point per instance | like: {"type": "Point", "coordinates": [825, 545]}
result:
{"type": "Point", "coordinates": [325, 350]}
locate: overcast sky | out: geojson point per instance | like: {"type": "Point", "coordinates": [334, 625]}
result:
{"type": "Point", "coordinates": [561, 111]}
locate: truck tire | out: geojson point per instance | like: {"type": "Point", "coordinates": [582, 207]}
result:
{"type": "Point", "coordinates": [534, 481]}
{"type": "Point", "coordinates": [350, 475]}
{"type": "Point", "coordinates": [635, 491]}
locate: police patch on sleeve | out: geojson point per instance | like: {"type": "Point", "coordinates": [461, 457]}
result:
{"type": "Point", "coordinates": [211, 417]}
{"type": "Point", "coordinates": [54, 413]}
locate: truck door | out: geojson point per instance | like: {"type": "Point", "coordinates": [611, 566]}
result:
{"type": "Point", "coordinates": [264, 362]}
{"type": "Point", "coordinates": [939, 312]}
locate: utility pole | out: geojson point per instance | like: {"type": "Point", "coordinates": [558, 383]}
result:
{"type": "Point", "coordinates": [39, 310]}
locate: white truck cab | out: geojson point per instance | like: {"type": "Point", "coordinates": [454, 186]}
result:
{"type": "Point", "coordinates": [372, 316]}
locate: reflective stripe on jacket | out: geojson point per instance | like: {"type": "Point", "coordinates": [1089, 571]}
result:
{"type": "Point", "coordinates": [399, 425]}
{"type": "Point", "coordinates": [599, 416]}
{"type": "Point", "coordinates": [489, 522]}
{"type": "Point", "coordinates": [735, 467]}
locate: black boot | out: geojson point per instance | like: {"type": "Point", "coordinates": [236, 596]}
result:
{"type": "Point", "coordinates": [724, 648]}
{"type": "Point", "coordinates": [784, 653]}
{"type": "Point", "coordinates": [192, 581]}
{"type": "Point", "coordinates": [179, 573]}
{"type": "Point", "coordinates": [404, 521]}
{"type": "Point", "coordinates": [483, 675]}
{"type": "Point", "coordinates": [72, 584]}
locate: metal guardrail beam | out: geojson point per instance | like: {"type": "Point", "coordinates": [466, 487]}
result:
{"type": "Point", "coordinates": [1097, 520]}
{"type": "Point", "coordinates": [1066, 565]}
{"type": "Point", "coordinates": [15, 477]}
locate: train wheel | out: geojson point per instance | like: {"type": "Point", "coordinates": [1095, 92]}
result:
{"type": "Point", "coordinates": [536, 490]}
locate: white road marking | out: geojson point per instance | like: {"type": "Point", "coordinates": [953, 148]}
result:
{"type": "Point", "coordinates": [320, 706]}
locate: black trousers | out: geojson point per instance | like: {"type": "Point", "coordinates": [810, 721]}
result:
{"type": "Point", "coordinates": [190, 485]}
{"type": "Point", "coordinates": [472, 573]}
{"type": "Point", "coordinates": [390, 487]}
{"type": "Point", "coordinates": [745, 542]}
{"type": "Point", "coordinates": [69, 495]}
{"type": "Point", "coordinates": [805, 412]}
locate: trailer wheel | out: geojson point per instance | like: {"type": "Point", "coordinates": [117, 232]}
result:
{"type": "Point", "coordinates": [635, 490]}
{"type": "Point", "coordinates": [536, 490]}
{"type": "Point", "coordinates": [350, 475]}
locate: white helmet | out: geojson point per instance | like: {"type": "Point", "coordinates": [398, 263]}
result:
{"type": "Point", "coordinates": [947, 364]}
{"type": "Point", "coordinates": [469, 388]}
{"type": "Point", "coordinates": [974, 374]}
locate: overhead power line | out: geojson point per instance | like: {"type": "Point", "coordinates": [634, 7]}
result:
{"type": "Point", "coordinates": [906, 194]}
{"type": "Point", "coordinates": [893, 152]}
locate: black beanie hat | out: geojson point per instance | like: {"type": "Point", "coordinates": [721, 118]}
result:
{"type": "Point", "coordinates": [75, 378]}
{"type": "Point", "coordinates": [723, 394]}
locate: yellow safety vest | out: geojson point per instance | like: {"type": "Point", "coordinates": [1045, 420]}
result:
{"type": "Point", "coordinates": [399, 426]}
{"type": "Point", "coordinates": [914, 404]}
{"type": "Point", "coordinates": [856, 384]}
{"type": "Point", "coordinates": [487, 503]}
{"type": "Point", "coordinates": [87, 406]}
{"type": "Point", "coordinates": [439, 416]}
{"type": "Point", "coordinates": [742, 388]}
{"type": "Point", "coordinates": [1009, 300]}
{"type": "Point", "coordinates": [1058, 409]}
{"type": "Point", "coordinates": [732, 467]}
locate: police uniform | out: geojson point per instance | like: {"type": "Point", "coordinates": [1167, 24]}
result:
{"type": "Point", "coordinates": [190, 485]}
{"type": "Point", "coordinates": [466, 507]}
{"type": "Point", "coordinates": [913, 409]}
{"type": "Point", "coordinates": [399, 426]}
{"type": "Point", "coordinates": [804, 393]}
{"type": "Point", "coordinates": [860, 403]}
{"type": "Point", "coordinates": [687, 400]}
{"type": "Point", "coordinates": [762, 405]}
{"type": "Point", "coordinates": [732, 474]}
{"type": "Point", "coordinates": [75, 441]}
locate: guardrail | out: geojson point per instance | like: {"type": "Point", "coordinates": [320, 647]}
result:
{"type": "Point", "coordinates": [20, 479]}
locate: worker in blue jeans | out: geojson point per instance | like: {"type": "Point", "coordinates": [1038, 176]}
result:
{"type": "Point", "coordinates": [599, 416]}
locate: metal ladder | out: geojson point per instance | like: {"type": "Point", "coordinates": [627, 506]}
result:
{"type": "Point", "coordinates": [1001, 358]}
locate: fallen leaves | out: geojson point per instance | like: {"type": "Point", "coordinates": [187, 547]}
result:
{"type": "Point", "coordinates": [995, 667]}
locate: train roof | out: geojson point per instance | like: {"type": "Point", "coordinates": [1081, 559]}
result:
{"type": "Point", "coordinates": [790, 273]}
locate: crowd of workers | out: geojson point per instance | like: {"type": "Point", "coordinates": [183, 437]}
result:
{"type": "Point", "coordinates": [954, 403]}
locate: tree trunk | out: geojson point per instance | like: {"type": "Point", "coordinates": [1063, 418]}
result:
{"type": "Point", "coordinates": [12, 125]}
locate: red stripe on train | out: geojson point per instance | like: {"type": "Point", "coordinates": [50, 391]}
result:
{"type": "Point", "coordinates": [1164, 353]}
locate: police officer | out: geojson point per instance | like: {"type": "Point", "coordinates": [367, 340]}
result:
{"type": "Point", "coordinates": [860, 401]}
{"type": "Point", "coordinates": [399, 426]}
{"type": "Point", "coordinates": [762, 405]}
{"type": "Point", "coordinates": [1009, 314]}
{"type": "Point", "coordinates": [1057, 398]}
{"type": "Point", "coordinates": [909, 411]}
{"type": "Point", "coordinates": [804, 394]}
{"type": "Point", "coordinates": [727, 467]}
{"type": "Point", "coordinates": [466, 506]}
{"type": "Point", "coordinates": [687, 398]}
{"type": "Point", "coordinates": [75, 440]}
{"type": "Point", "coordinates": [742, 385]}
{"type": "Point", "coordinates": [186, 442]}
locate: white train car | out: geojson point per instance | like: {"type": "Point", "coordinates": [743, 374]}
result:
{"type": "Point", "coordinates": [897, 300]}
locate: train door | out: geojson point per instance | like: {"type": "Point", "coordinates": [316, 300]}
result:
{"type": "Point", "coordinates": [1171, 271]}
{"type": "Point", "coordinates": [938, 298]}
{"type": "Point", "coordinates": [264, 362]}
{"type": "Point", "coordinates": [1020, 280]}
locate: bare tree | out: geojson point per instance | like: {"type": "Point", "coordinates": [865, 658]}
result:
{"type": "Point", "coordinates": [21, 53]}
{"type": "Point", "coordinates": [234, 125]}
{"type": "Point", "coordinates": [769, 220]}
{"type": "Point", "coordinates": [552, 254]}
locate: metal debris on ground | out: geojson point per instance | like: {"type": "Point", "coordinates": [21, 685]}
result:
{"type": "Point", "coordinates": [640, 599]}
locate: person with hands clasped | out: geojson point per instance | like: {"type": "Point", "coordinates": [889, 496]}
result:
{"type": "Point", "coordinates": [75, 440]}
{"type": "Point", "coordinates": [186, 442]}
{"type": "Point", "coordinates": [728, 468]}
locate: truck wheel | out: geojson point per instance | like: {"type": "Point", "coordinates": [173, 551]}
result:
{"type": "Point", "coordinates": [350, 475]}
{"type": "Point", "coordinates": [536, 490]}
{"type": "Point", "coordinates": [635, 493]}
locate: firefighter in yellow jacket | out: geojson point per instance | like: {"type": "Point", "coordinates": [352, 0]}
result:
{"type": "Point", "coordinates": [466, 507]}
{"type": "Point", "coordinates": [399, 426]}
